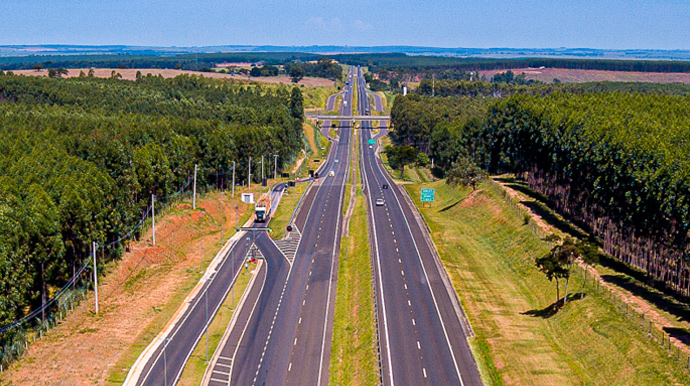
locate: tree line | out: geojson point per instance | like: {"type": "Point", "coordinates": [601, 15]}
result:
{"type": "Point", "coordinates": [322, 68]}
{"type": "Point", "coordinates": [615, 162]}
{"type": "Point", "coordinates": [81, 157]}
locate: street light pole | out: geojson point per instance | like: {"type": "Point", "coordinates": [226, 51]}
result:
{"type": "Point", "coordinates": [249, 180]}
{"type": "Point", "coordinates": [275, 166]}
{"type": "Point", "coordinates": [237, 218]}
{"type": "Point", "coordinates": [207, 322]}
{"type": "Point", "coordinates": [165, 359]}
{"type": "Point", "coordinates": [262, 170]}
{"type": "Point", "coordinates": [153, 217]}
{"type": "Point", "coordinates": [95, 274]}
{"type": "Point", "coordinates": [233, 178]}
{"type": "Point", "coordinates": [222, 216]}
{"type": "Point", "coordinates": [194, 196]}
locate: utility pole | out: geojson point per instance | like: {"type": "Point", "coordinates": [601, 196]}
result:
{"type": "Point", "coordinates": [233, 178]}
{"type": "Point", "coordinates": [153, 217]}
{"type": "Point", "coordinates": [262, 169]}
{"type": "Point", "coordinates": [249, 180]}
{"type": "Point", "coordinates": [194, 196]}
{"type": "Point", "coordinates": [95, 274]}
{"type": "Point", "coordinates": [275, 166]}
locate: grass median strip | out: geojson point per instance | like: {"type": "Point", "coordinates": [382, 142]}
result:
{"type": "Point", "coordinates": [353, 352]}
{"type": "Point", "coordinates": [489, 254]}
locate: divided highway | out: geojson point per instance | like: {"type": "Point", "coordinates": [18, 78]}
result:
{"type": "Point", "coordinates": [286, 338]}
{"type": "Point", "coordinates": [421, 334]}
{"type": "Point", "coordinates": [282, 335]}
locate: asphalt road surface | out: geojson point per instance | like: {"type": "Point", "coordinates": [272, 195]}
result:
{"type": "Point", "coordinates": [344, 109]}
{"type": "Point", "coordinates": [166, 364]}
{"type": "Point", "coordinates": [286, 340]}
{"type": "Point", "coordinates": [422, 337]}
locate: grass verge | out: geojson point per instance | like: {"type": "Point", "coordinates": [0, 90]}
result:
{"type": "Point", "coordinates": [194, 371]}
{"type": "Point", "coordinates": [317, 96]}
{"type": "Point", "coordinates": [353, 352]}
{"type": "Point", "coordinates": [286, 208]}
{"type": "Point", "coordinates": [489, 255]}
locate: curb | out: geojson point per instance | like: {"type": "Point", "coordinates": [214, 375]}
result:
{"type": "Point", "coordinates": [138, 366]}
{"type": "Point", "coordinates": [235, 315]}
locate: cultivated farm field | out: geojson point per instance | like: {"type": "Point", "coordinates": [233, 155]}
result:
{"type": "Point", "coordinates": [130, 74]}
{"type": "Point", "coordinates": [580, 76]}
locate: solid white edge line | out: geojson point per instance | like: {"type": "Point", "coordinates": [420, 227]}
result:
{"type": "Point", "coordinates": [431, 290]}
{"type": "Point", "coordinates": [330, 278]}
{"type": "Point", "coordinates": [380, 275]}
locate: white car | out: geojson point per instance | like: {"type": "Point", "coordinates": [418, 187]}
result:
{"type": "Point", "coordinates": [379, 202]}
{"type": "Point", "coordinates": [332, 173]}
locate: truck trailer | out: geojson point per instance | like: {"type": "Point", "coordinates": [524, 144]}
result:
{"type": "Point", "coordinates": [262, 208]}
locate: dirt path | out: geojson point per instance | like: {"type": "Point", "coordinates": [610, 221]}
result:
{"type": "Point", "coordinates": [298, 163]}
{"type": "Point", "coordinates": [83, 348]}
{"type": "Point", "coordinates": [641, 306]}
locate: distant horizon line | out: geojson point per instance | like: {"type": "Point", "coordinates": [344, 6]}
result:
{"type": "Point", "coordinates": [341, 46]}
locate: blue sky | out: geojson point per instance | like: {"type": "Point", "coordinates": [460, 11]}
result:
{"type": "Point", "coordinates": [613, 24]}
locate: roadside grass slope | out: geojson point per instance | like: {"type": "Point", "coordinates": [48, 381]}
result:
{"type": "Point", "coordinates": [489, 254]}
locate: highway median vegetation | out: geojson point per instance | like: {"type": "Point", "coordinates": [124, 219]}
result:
{"type": "Point", "coordinates": [353, 351]}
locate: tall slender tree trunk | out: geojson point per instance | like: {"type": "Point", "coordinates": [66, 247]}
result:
{"type": "Point", "coordinates": [565, 297]}
{"type": "Point", "coordinates": [558, 293]}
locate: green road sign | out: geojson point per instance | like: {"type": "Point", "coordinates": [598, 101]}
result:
{"type": "Point", "coordinates": [428, 195]}
{"type": "Point", "coordinates": [372, 142]}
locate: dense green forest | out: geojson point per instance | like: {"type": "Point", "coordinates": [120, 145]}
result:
{"type": "Point", "coordinates": [81, 157]}
{"type": "Point", "coordinates": [322, 68]}
{"type": "Point", "coordinates": [615, 162]}
{"type": "Point", "coordinates": [499, 88]}
{"type": "Point", "coordinates": [612, 157]}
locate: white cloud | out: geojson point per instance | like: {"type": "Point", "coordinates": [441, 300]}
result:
{"type": "Point", "coordinates": [362, 26]}
{"type": "Point", "coordinates": [325, 25]}
{"type": "Point", "coordinates": [316, 22]}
